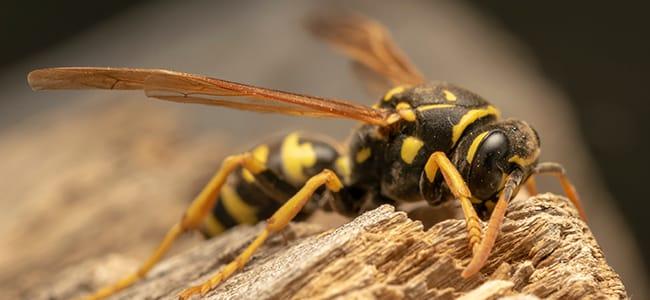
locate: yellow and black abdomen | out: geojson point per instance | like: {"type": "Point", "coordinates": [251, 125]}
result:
{"type": "Point", "coordinates": [249, 199]}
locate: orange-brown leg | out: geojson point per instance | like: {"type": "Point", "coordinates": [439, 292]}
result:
{"type": "Point", "coordinates": [494, 225]}
{"type": "Point", "coordinates": [458, 187]}
{"type": "Point", "coordinates": [192, 219]}
{"type": "Point", "coordinates": [558, 171]}
{"type": "Point", "coordinates": [276, 223]}
{"type": "Point", "coordinates": [531, 186]}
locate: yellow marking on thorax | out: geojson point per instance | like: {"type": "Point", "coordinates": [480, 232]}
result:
{"type": "Point", "coordinates": [405, 111]}
{"type": "Point", "coordinates": [392, 118]}
{"type": "Point", "coordinates": [213, 226]}
{"type": "Point", "coordinates": [410, 148]}
{"type": "Point", "coordinates": [296, 157]}
{"type": "Point", "coordinates": [396, 90]}
{"type": "Point", "coordinates": [449, 95]}
{"type": "Point", "coordinates": [434, 106]}
{"type": "Point", "coordinates": [261, 153]}
{"type": "Point", "coordinates": [241, 211]}
{"type": "Point", "coordinates": [471, 117]}
{"type": "Point", "coordinates": [343, 167]}
{"type": "Point", "coordinates": [363, 155]}
{"type": "Point", "coordinates": [525, 161]}
{"type": "Point", "coordinates": [474, 146]}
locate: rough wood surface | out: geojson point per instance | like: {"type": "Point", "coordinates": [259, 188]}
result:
{"type": "Point", "coordinates": [91, 180]}
{"type": "Point", "coordinates": [544, 251]}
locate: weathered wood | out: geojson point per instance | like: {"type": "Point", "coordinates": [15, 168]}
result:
{"type": "Point", "coordinates": [91, 180]}
{"type": "Point", "coordinates": [544, 251]}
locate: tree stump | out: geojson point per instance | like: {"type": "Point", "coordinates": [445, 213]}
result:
{"type": "Point", "coordinates": [543, 251]}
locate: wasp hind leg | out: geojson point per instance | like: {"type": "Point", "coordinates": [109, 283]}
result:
{"type": "Point", "coordinates": [276, 223]}
{"type": "Point", "coordinates": [192, 219]}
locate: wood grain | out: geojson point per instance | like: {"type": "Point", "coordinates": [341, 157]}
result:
{"type": "Point", "coordinates": [544, 251]}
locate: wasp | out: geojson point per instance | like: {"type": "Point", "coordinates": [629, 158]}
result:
{"type": "Point", "coordinates": [423, 141]}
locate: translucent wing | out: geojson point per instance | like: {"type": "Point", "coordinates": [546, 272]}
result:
{"type": "Point", "coordinates": [189, 88]}
{"type": "Point", "coordinates": [369, 43]}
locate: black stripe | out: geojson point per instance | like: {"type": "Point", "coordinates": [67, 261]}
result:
{"type": "Point", "coordinates": [222, 215]}
{"type": "Point", "coordinates": [275, 187]}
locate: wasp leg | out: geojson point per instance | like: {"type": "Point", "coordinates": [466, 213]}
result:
{"type": "Point", "coordinates": [494, 225]}
{"type": "Point", "coordinates": [570, 191]}
{"type": "Point", "coordinates": [531, 186]}
{"type": "Point", "coordinates": [439, 161]}
{"type": "Point", "coordinates": [276, 223]}
{"type": "Point", "coordinates": [192, 218]}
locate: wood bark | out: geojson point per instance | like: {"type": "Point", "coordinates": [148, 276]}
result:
{"type": "Point", "coordinates": [543, 251]}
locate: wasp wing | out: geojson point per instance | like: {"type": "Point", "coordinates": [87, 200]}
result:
{"type": "Point", "coordinates": [190, 88]}
{"type": "Point", "coordinates": [369, 43]}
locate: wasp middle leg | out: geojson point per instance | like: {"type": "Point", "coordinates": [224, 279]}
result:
{"type": "Point", "coordinates": [276, 223]}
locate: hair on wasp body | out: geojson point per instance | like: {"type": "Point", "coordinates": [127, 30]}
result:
{"type": "Point", "coordinates": [422, 141]}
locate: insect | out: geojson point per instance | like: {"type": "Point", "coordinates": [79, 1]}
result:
{"type": "Point", "coordinates": [423, 141]}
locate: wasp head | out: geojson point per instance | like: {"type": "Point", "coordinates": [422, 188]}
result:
{"type": "Point", "coordinates": [488, 154]}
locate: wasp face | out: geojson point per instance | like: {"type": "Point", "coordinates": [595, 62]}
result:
{"type": "Point", "coordinates": [492, 152]}
{"type": "Point", "coordinates": [489, 164]}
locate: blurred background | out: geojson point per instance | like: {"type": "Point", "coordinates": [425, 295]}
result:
{"type": "Point", "coordinates": [86, 174]}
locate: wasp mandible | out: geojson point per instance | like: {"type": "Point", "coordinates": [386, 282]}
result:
{"type": "Point", "coordinates": [423, 141]}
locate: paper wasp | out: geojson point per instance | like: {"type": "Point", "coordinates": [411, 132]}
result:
{"type": "Point", "coordinates": [422, 142]}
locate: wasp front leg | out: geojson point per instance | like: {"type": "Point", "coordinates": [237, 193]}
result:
{"type": "Point", "coordinates": [278, 221]}
{"type": "Point", "coordinates": [438, 161]}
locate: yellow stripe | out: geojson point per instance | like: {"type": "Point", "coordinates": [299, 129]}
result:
{"type": "Point", "coordinates": [363, 155]}
{"type": "Point", "coordinates": [405, 111]}
{"type": "Point", "coordinates": [434, 106]}
{"type": "Point", "coordinates": [396, 90]}
{"type": "Point", "coordinates": [241, 211]}
{"type": "Point", "coordinates": [526, 161]}
{"type": "Point", "coordinates": [410, 148]}
{"type": "Point", "coordinates": [343, 167]}
{"type": "Point", "coordinates": [261, 153]}
{"type": "Point", "coordinates": [213, 226]}
{"type": "Point", "coordinates": [430, 169]}
{"type": "Point", "coordinates": [392, 118]}
{"type": "Point", "coordinates": [474, 146]}
{"type": "Point", "coordinates": [469, 118]}
{"type": "Point", "coordinates": [449, 95]}
{"type": "Point", "coordinates": [295, 157]}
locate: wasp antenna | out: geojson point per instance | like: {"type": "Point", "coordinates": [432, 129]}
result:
{"type": "Point", "coordinates": [494, 225]}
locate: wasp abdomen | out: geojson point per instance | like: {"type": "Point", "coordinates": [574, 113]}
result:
{"type": "Point", "coordinates": [290, 161]}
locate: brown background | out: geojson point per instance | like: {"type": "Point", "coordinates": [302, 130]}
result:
{"type": "Point", "coordinates": [86, 174]}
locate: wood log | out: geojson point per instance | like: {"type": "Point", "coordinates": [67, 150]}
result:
{"type": "Point", "coordinates": [543, 251]}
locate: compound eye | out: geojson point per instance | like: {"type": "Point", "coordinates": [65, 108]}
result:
{"type": "Point", "coordinates": [488, 165]}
